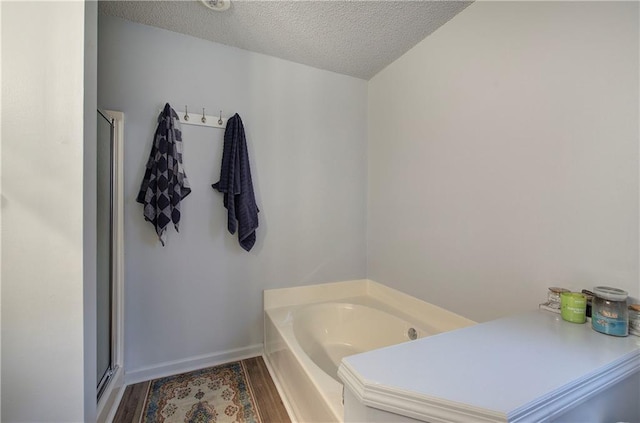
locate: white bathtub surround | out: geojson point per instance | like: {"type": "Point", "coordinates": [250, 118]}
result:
{"type": "Point", "coordinates": [530, 367]}
{"type": "Point", "coordinates": [308, 330]}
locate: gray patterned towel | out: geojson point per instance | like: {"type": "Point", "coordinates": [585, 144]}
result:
{"type": "Point", "coordinates": [165, 183]}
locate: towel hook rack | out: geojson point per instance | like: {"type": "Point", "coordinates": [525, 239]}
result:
{"type": "Point", "coordinates": [211, 121]}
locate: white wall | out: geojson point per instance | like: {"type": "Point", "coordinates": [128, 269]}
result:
{"type": "Point", "coordinates": [42, 204]}
{"type": "Point", "coordinates": [89, 208]}
{"type": "Point", "coordinates": [503, 157]}
{"type": "Point", "coordinates": [0, 223]}
{"type": "Point", "coordinates": [306, 132]}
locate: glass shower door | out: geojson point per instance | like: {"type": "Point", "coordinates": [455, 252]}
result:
{"type": "Point", "coordinates": [104, 260]}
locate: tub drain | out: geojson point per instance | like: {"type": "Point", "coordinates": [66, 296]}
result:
{"type": "Point", "coordinates": [413, 334]}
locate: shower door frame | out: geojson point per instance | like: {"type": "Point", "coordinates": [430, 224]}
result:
{"type": "Point", "coordinates": [105, 378]}
{"type": "Point", "coordinates": [109, 390]}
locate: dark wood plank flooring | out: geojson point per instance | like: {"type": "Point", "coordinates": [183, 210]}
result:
{"type": "Point", "coordinates": [130, 408]}
{"type": "Point", "coordinates": [269, 403]}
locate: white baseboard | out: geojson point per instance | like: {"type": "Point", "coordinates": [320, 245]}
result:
{"type": "Point", "coordinates": [188, 364]}
{"type": "Point", "coordinates": [110, 399]}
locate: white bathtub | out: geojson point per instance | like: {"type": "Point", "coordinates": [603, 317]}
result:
{"type": "Point", "coordinates": [308, 330]}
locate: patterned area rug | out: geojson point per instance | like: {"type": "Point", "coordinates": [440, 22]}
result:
{"type": "Point", "coordinates": [219, 394]}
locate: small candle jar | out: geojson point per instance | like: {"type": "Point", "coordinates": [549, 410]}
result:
{"type": "Point", "coordinates": [609, 312]}
{"type": "Point", "coordinates": [573, 307]}
{"type": "Point", "coordinates": [634, 319]}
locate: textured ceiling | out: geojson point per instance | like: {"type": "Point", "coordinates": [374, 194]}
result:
{"type": "Point", "coordinates": [357, 38]}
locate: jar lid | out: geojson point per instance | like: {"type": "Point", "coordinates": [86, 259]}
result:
{"type": "Point", "coordinates": [557, 290]}
{"type": "Point", "coordinates": [608, 293]}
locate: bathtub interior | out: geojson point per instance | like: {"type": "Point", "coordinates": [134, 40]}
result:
{"type": "Point", "coordinates": [328, 332]}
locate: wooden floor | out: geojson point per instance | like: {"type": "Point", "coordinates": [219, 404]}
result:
{"type": "Point", "coordinates": [269, 404]}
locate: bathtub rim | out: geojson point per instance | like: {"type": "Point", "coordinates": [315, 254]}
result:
{"type": "Point", "coordinates": [397, 302]}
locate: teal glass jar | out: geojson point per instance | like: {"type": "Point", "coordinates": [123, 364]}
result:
{"type": "Point", "coordinates": [609, 312]}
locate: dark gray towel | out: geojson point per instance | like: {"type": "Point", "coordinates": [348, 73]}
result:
{"type": "Point", "coordinates": [165, 183]}
{"type": "Point", "coordinates": [235, 183]}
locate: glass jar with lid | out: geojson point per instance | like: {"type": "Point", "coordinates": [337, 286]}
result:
{"type": "Point", "coordinates": [609, 312]}
{"type": "Point", "coordinates": [634, 319]}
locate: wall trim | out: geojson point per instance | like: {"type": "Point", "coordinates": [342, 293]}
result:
{"type": "Point", "coordinates": [169, 368]}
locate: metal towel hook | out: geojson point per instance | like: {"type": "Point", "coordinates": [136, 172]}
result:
{"type": "Point", "coordinates": [186, 114]}
{"type": "Point", "coordinates": [204, 119]}
{"type": "Point", "coordinates": [220, 119]}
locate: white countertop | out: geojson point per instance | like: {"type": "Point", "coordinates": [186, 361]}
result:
{"type": "Point", "coordinates": [506, 368]}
